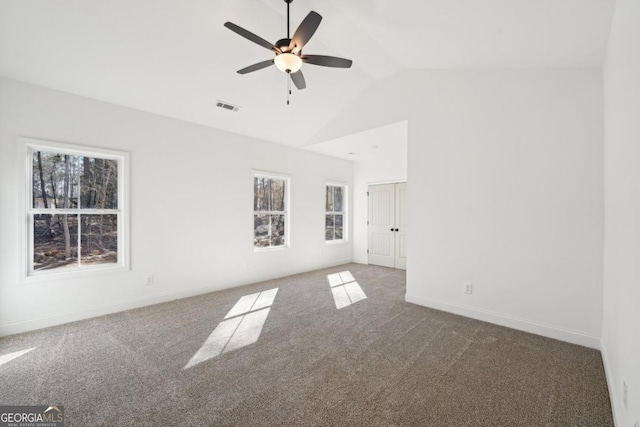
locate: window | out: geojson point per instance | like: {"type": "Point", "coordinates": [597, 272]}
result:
{"type": "Point", "coordinates": [335, 218]}
{"type": "Point", "coordinates": [270, 219]}
{"type": "Point", "coordinates": [75, 212]}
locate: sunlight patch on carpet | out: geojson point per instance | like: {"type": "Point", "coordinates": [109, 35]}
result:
{"type": "Point", "coordinates": [345, 289]}
{"type": "Point", "coordinates": [10, 356]}
{"type": "Point", "coordinates": [253, 302]}
{"type": "Point", "coordinates": [242, 326]}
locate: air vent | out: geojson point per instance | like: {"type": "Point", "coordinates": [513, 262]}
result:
{"type": "Point", "coordinates": [227, 106]}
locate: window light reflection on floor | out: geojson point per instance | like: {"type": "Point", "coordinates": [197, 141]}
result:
{"type": "Point", "coordinates": [345, 289]}
{"type": "Point", "coordinates": [6, 358]}
{"type": "Point", "coordinates": [242, 326]}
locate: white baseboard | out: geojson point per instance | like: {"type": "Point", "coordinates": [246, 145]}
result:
{"type": "Point", "coordinates": [550, 331]}
{"type": "Point", "coordinates": [95, 311]}
{"type": "Point", "coordinates": [115, 307]}
{"type": "Point", "coordinates": [608, 373]}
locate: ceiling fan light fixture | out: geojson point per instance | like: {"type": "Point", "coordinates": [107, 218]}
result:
{"type": "Point", "coordinates": [288, 50]}
{"type": "Point", "coordinates": [288, 62]}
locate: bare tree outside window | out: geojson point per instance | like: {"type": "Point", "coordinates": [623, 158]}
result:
{"type": "Point", "coordinates": [269, 211]}
{"type": "Point", "coordinates": [334, 215]}
{"type": "Point", "coordinates": [74, 206]}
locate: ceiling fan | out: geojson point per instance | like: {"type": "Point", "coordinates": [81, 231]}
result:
{"type": "Point", "coordinates": [288, 51]}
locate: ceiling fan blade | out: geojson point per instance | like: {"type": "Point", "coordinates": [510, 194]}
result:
{"type": "Point", "coordinates": [298, 80]}
{"type": "Point", "coordinates": [250, 36]}
{"type": "Point", "coordinates": [256, 67]}
{"type": "Point", "coordinates": [304, 32]}
{"type": "Point", "coordinates": [327, 61]}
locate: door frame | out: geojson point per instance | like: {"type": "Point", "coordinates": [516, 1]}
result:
{"type": "Point", "coordinates": [395, 209]}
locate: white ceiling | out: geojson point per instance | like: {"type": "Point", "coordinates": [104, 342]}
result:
{"type": "Point", "coordinates": [378, 143]}
{"type": "Point", "coordinates": [175, 58]}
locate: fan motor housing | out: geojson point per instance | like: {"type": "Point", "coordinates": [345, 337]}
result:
{"type": "Point", "coordinates": [283, 44]}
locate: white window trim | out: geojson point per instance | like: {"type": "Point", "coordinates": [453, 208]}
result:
{"type": "Point", "coordinates": [345, 213]}
{"type": "Point", "coordinates": [287, 212]}
{"type": "Point", "coordinates": [27, 274]}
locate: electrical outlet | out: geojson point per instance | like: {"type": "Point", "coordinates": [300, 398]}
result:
{"type": "Point", "coordinates": [625, 394]}
{"type": "Point", "coordinates": [149, 280]}
{"type": "Point", "coordinates": [468, 288]}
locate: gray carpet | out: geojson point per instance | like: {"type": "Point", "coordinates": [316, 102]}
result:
{"type": "Point", "coordinates": [377, 362]}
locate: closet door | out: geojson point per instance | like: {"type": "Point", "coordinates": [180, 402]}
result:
{"type": "Point", "coordinates": [382, 225]}
{"type": "Point", "coordinates": [401, 226]}
{"type": "Point", "coordinates": [388, 225]}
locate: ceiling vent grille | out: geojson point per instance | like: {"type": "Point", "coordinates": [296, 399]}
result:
{"type": "Point", "coordinates": [227, 106]}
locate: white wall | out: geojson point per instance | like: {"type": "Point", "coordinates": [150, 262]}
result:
{"type": "Point", "coordinates": [505, 177]}
{"type": "Point", "coordinates": [621, 335]}
{"type": "Point", "coordinates": [379, 156]}
{"type": "Point", "coordinates": [506, 181]}
{"type": "Point", "coordinates": [191, 207]}
{"type": "Point", "coordinates": [388, 166]}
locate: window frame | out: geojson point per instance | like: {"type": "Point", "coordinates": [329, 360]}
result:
{"type": "Point", "coordinates": [287, 209]}
{"type": "Point", "coordinates": [344, 212]}
{"type": "Point", "coordinates": [28, 274]}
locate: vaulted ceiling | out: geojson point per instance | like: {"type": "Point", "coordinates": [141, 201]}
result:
{"type": "Point", "coordinates": [176, 59]}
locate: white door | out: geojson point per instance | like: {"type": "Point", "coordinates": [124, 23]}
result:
{"type": "Point", "coordinates": [401, 226]}
{"type": "Point", "coordinates": [387, 225]}
{"type": "Point", "coordinates": [382, 225]}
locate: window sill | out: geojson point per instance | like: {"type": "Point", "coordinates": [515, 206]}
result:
{"type": "Point", "coordinates": [270, 249]}
{"type": "Point", "coordinates": [336, 242]}
{"type": "Point", "coordinates": [80, 273]}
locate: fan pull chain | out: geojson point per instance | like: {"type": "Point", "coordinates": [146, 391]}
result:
{"type": "Point", "coordinates": [288, 87]}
